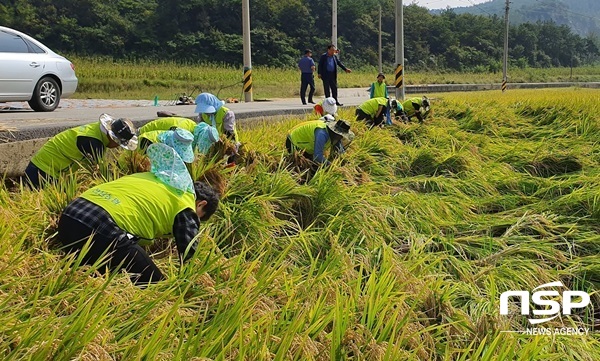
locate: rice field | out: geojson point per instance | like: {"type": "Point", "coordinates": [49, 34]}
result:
{"type": "Point", "coordinates": [398, 251]}
{"type": "Point", "coordinates": [106, 79]}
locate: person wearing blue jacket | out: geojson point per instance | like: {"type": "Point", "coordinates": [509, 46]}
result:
{"type": "Point", "coordinates": [327, 72]}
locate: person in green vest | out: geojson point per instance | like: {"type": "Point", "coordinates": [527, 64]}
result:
{"type": "Point", "coordinates": [179, 139]}
{"type": "Point", "coordinates": [315, 137]}
{"type": "Point", "coordinates": [111, 222]}
{"type": "Point", "coordinates": [204, 135]}
{"type": "Point", "coordinates": [379, 88]}
{"type": "Point", "coordinates": [166, 123]}
{"type": "Point", "coordinates": [396, 107]}
{"type": "Point", "coordinates": [211, 110]}
{"type": "Point", "coordinates": [373, 111]}
{"type": "Point", "coordinates": [325, 107]}
{"type": "Point", "coordinates": [85, 143]}
{"type": "Point", "coordinates": [416, 107]}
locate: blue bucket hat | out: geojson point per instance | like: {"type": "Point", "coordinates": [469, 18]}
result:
{"type": "Point", "coordinates": [169, 168]}
{"type": "Point", "coordinates": [180, 140]}
{"type": "Point", "coordinates": [206, 103]}
{"type": "Point", "coordinates": [204, 137]}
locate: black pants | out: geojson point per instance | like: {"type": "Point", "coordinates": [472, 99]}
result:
{"type": "Point", "coordinates": [121, 254]}
{"type": "Point", "coordinates": [330, 85]}
{"type": "Point", "coordinates": [306, 80]}
{"type": "Point", "coordinates": [35, 176]}
{"type": "Point", "coordinates": [361, 115]}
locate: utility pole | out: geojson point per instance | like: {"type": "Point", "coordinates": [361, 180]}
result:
{"type": "Point", "coordinates": [334, 22]}
{"type": "Point", "coordinates": [247, 80]}
{"type": "Point", "coordinates": [380, 53]}
{"type": "Point", "coordinates": [505, 65]}
{"type": "Point", "coordinates": [399, 80]}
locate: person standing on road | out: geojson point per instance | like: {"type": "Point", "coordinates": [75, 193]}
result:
{"type": "Point", "coordinates": [85, 143]}
{"type": "Point", "coordinates": [379, 88]}
{"type": "Point", "coordinates": [327, 72]}
{"type": "Point", "coordinates": [307, 79]}
{"type": "Point", "coordinates": [117, 217]}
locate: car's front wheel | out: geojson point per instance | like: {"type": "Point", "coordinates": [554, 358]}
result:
{"type": "Point", "coordinates": [46, 95]}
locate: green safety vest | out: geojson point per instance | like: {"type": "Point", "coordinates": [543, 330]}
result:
{"type": "Point", "coordinates": [219, 115]}
{"type": "Point", "coordinates": [408, 106]}
{"type": "Point", "coordinates": [141, 204]}
{"type": "Point", "coordinates": [370, 106]}
{"type": "Point", "coordinates": [60, 152]}
{"type": "Point", "coordinates": [151, 136]}
{"type": "Point", "coordinates": [303, 135]}
{"type": "Point", "coordinates": [379, 90]}
{"type": "Point", "coordinates": [167, 124]}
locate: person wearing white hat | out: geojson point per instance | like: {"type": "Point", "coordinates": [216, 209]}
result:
{"type": "Point", "coordinates": [326, 106]}
{"type": "Point", "coordinates": [73, 146]}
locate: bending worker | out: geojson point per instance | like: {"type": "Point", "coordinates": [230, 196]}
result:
{"type": "Point", "coordinates": [85, 143]}
{"type": "Point", "coordinates": [118, 216]}
{"type": "Point", "coordinates": [314, 137]}
{"type": "Point", "coordinates": [416, 107]}
{"type": "Point", "coordinates": [204, 135]}
{"type": "Point", "coordinates": [211, 110]}
{"type": "Point", "coordinates": [326, 106]}
{"type": "Point", "coordinates": [373, 111]}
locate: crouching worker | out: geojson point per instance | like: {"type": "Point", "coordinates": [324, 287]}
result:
{"type": "Point", "coordinates": [314, 137]}
{"type": "Point", "coordinates": [416, 107]}
{"type": "Point", "coordinates": [211, 110]}
{"type": "Point", "coordinates": [85, 143]}
{"type": "Point", "coordinates": [179, 139]}
{"type": "Point", "coordinates": [204, 135]}
{"type": "Point", "coordinates": [117, 215]}
{"type": "Point", "coordinates": [373, 111]}
{"type": "Point", "coordinates": [326, 106]}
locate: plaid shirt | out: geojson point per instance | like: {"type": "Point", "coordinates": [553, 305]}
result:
{"type": "Point", "coordinates": [185, 225]}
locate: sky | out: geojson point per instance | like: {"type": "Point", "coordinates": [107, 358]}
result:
{"type": "Point", "coordinates": [442, 4]}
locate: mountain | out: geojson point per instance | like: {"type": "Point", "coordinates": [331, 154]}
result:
{"type": "Point", "coordinates": [583, 16]}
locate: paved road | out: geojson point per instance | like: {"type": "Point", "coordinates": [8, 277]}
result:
{"type": "Point", "coordinates": [19, 122]}
{"type": "Point", "coordinates": [19, 118]}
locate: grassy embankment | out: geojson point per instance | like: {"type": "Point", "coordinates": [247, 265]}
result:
{"type": "Point", "coordinates": [101, 79]}
{"type": "Point", "coordinates": [399, 251]}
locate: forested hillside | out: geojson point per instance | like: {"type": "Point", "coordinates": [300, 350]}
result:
{"type": "Point", "coordinates": [582, 16]}
{"type": "Point", "coordinates": [210, 31]}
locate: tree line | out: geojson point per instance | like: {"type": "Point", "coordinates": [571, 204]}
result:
{"type": "Point", "coordinates": [210, 31]}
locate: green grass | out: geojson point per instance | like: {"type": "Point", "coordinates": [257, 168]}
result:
{"type": "Point", "coordinates": [105, 79]}
{"type": "Point", "coordinates": [399, 251]}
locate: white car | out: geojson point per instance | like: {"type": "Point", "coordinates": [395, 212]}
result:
{"type": "Point", "coordinates": [31, 72]}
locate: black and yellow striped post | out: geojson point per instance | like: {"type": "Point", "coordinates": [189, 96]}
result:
{"type": "Point", "coordinates": [247, 84]}
{"type": "Point", "coordinates": [504, 82]}
{"type": "Point", "coordinates": [399, 82]}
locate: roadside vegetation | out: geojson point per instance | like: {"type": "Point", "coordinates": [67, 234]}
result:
{"type": "Point", "coordinates": [398, 251]}
{"type": "Point", "coordinates": [102, 78]}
